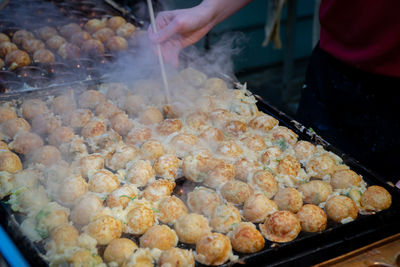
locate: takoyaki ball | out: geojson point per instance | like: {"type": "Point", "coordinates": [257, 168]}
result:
{"type": "Point", "coordinates": [219, 175]}
{"type": "Point", "coordinates": [72, 188]}
{"type": "Point", "coordinates": [343, 179]}
{"type": "Point", "coordinates": [43, 56]}
{"type": "Point", "coordinates": [230, 149]}
{"type": "Point", "coordinates": [93, 129]}
{"type": "Point", "coordinates": [11, 127]}
{"type": "Point", "coordinates": [126, 30]}
{"type": "Point", "coordinates": [288, 199]}
{"type": "Point", "coordinates": [78, 118]}
{"type": "Point", "coordinates": [224, 217]}
{"type": "Point", "coordinates": [55, 42]}
{"type": "Point", "coordinates": [376, 198]}
{"type": "Point", "coordinates": [245, 238]}
{"type": "Point", "coordinates": [121, 196]}
{"type": "Point", "coordinates": [17, 58]}
{"type": "Point", "coordinates": [216, 86]}
{"type": "Point", "coordinates": [3, 145]}
{"type": "Point", "coordinates": [284, 133]}
{"type": "Point", "coordinates": [33, 107]}
{"type": "Point", "coordinates": [158, 190]}
{"type": "Point", "coordinates": [51, 216]}
{"type": "Point", "coordinates": [121, 123]}
{"type": "Point", "coordinates": [63, 104]}
{"type": "Point", "coordinates": [197, 121]}
{"type": "Point", "coordinates": [170, 209]}
{"type": "Point", "coordinates": [151, 115]}
{"type": "Point", "coordinates": [196, 165]}
{"type": "Point", "coordinates": [152, 150]}
{"type": "Point", "coordinates": [212, 135]}
{"type": "Point", "coordinates": [69, 51]}
{"type": "Point", "coordinates": [121, 157]}
{"type": "Point", "coordinates": [84, 257]}
{"type": "Point", "coordinates": [133, 104]}
{"type": "Point", "coordinates": [140, 218]}
{"type": "Point", "coordinates": [203, 200]}
{"type": "Point", "coordinates": [235, 128]}
{"type": "Point", "coordinates": [213, 249]}
{"type": "Point", "coordinates": [103, 181]}
{"type": "Point", "coordinates": [115, 22]}
{"type": "Point", "coordinates": [254, 142]}
{"type": "Point", "coordinates": [107, 142]}
{"type": "Point", "coordinates": [94, 25]}
{"type": "Point", "coordinates": [236, 191]}
{"type": "Point", "coordinates": [103, 34]}
{"type": "Point", "coordinates": [114, 90]}
{"type": "Point", "coordinates": [289, 166]}
{"type": "Point", "coordinates": [21, 35]}
{"type": "Point", "coordinates": [7, 113]}
{"type": "Point", "coordinates": [176, 257]}
{"type": "Point", "coordinates": [117, 43]}
{"type": "Point", "coordinates": [244, 169]}
{"type": "Point", "coordinates": [6, 48]}
{"type": "Point", "coordinates": [264, 182]}
{"type": "Point", "coordinates": [107, 110]}
{"type": "Point", "coordinates": [281, 227]}
{"type": "Point", "coordinates": [105, 229]}
{"type": "Point", "coordinates": [194, 77]}
{"type": "Point", "coordinates": [70, 29]}
{"type": "Point", "coordinates": [92, 47]}
{"type": "Point", "coordinates": [321, 165]}
{"type": "Point", "coordinates": [312, 218]}
{"type": "Point", "coordinates": [272, 154]}
{"type": "Point", "coordinates": [91, 98]}
{"type": "Point", "coordinates": [304, 150]}
{"type": "Point", "coordinates": [140, 172]}
{"type": "Point", "coordinates": [79, 38]}
{"type": "Point", "coordinates": [85, 207]}
{"type": "Point", "coordinates": [9, 162]}
{"type": "Point", "coordinates": [90, 164]}
{"type": "Point", "coordinates": [263, 122]}
{"type": "Point", "coordinates": [315, 191]}
{"type": "Point", "coordinates": [167, 166]}
{"type": "Point", "coordinates": [169, 126]}
{"type": "Point", "coordinates": [118, 250]}
{"type": "Point", "coordinates": [219, 117]}
{"type": "Point", "coordinates": [32, 45]}
{"type": "Point", "coordinates": [339, 208]}
{"type": "Point", "coordinates": [46, 32]}
{"type": "Point", "coordinates": [4, 38]}
{"type": "Point", "coordinates": [184, 143]}
{"type": "Point", "coordinates": [46, 155]}
{"type": "Point", "coordinates": [257, 207]}
{"type": "Point", "coordinates": [191, 227]}
{"type": "Point", "coordinates": [25, 142]}
{"type": "Point", "coordinates": [64, 235]}
{"type": "Point", "coordinates": [2, 64]}
{"type": "Point", "coordinates": [137, 136]}
{"type": "Point", "coordinates": [159, 236]}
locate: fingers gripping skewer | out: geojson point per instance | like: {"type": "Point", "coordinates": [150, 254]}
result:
{"type": "Point", "coordinates": [160, 58]}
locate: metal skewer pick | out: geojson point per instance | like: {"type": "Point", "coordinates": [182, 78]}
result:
{"type": "Point", "coordinates": [160, 58]}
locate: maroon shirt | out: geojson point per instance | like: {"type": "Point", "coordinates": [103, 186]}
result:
{"type": "Point", "coordinates": [363, 33]}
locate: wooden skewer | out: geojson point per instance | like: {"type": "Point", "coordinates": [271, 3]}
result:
{"type": "Point", "coordinates": [160, 58]}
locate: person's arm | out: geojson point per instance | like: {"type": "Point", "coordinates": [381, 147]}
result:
{"type": "Point", "coordinates": [180, 28]}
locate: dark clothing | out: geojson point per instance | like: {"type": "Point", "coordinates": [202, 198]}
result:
{"type": "Point", "coordinates": [356, 111]}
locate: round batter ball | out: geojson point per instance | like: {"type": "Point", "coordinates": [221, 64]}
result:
{"type": "Point", "coordinates": [137, 136]}
{"type": "Point", "coordinates": [107, 110]}
{"type": "Point", "coordinates": [197, 121]}
{"type": "Point", "coordinates": [17, 58]}
{"type": "Point", "coordinates": [26, 142]}
{"type": "Point", "coordinates": [191, 227]}
{"type": "Point", "coordinates": [170, 209]}
{"type": "Point", "coordinates": [11, 127]}
{"type": "Point", "coordinates": [140, 172]}
{"type": "Point", "coordinates": [133, 104]}
{"type": "Point", "coordinates": [121, 123]}
{"type": "Point", "coordinates": [321, 165]}
{"type": "Point", "coordinates": [68, 30]}
{"type": "Point", "coordinates": [32, 108]}
{"type": "Point", "coordinates": [220, 117]}
{"type": "Point", "coordinates": [9, 162]}
{"type": "Point", "coordinates": [103, 181]}
{"type": "Point", "coordinates": [281, 227]}
{"type": "Point", "coordinates": [212, 135]}
{"type": "Point", "coordinates": [126, 30]}
{"type": "Point", "coordinates": [167, 166]}
{"type": "Point", "coordinates": [343, 179]}
{"type": "Point", "coordinates": [55, 42]}
{"type": "Point", "coordinates": [263, 122]}
{"type": "Point", "coordinates": [151, 150]}
{"type": "Point", "coordinates": [71, 188]}
{"type": "Point", "coordinates": [376, 198]}
{"type": "Point", "coordinates": [79, 38]}
{"type": "Point", "coordinates": [7, 113]}
{"type": "Point", "coordinates": [105, 229]}
{"type": "Point", "coordinates": [4, 38]}
{"type": "Point", "coordinates": [184, 143]}
{"type": "Point", "coordinates": [78, 118]}
{"type": "Point", "coordinates": [115, 22]}
{"type": "Point", "coordinates": [272, 154]}
{"type": "Point", "coordinates": [45, 123]}
{"type": "Point", "coordinates": [196, 165]}
{"type": "Point", "coordinates": [176, 257]}
{"type": "Point", "coordinates": [117, 43]}
{"type": "Point", "coordinates": [203, 200]}
{"type": "Point", "coordinates": [315, 192]}
{"type": "Point", "coordinates": [121, 196]}
{"type": "Point", "coordinates": [235, 128]}
{"type": "Point", "coordinates": [92, 48]}
{"type": "Point", "coordinates": [159, 236]}
{"type": "Point", "coordinates": [32, 45]}
{"type": "Point", "coordinates": [84, 257]}
{"type": "Point", "coordinates": [304, 150]}
{"type": "Point", "coordinates": [264, 182]}
{"type": "Point", "coordinates": [213, 249]}
{"type": "Point", "coordinates": [244, 169]}
{"type": "Point", "coordinates": [150, 116]}
{"type": "Point", "coordinates": [257, 208]}
{"type": "Point", "coordinates": [289, 166]}
{"type": "Point", "coordinates": [140, 218]}
{"type": "Point", "coordinates": [86, 206]}
{"type": "Point", "coordinates": [69, 51]}
{"type": "Point", "coordinates": [91, 98]}
{"type": "Point", "coordinates": [236, 191]}
{"type": "Point", "coordinates": [63, 104]}
{"type": "Point", "coordinates": [6, 48]}
{"type": "Point", "coordinates": [3, 146]}
{"type": "Point", "coordinates": [119, 250]}
{"type": "Point", "coordinates": [283, 133]}
{"type": "Point", "coordinates": [158, 190]}
{"type": "Point", "coordinates": [64, 235]}
{"type": "Point", "coordinates": [230, 149]}
{"type": "Point", "coordinates": [254, 142]}
{"type": "Point", "coordinates": [94, 25]}
{"type": "Point", "coordinates": [93, 128]}
{"type": "Point", "coordinates": [46, 155]}
{"type": "Point", "coordinates": [219, 175]}
{"type": "Point", "coordinates": [245, 238]}
{"type": "Point", "coordinates": [169, 126]}
{"type": "Point", "coordinates": [224, 217]}
{"type": "Point", "coordinates": [43, 56]}
{"type": "Point", "coordinates": [90, 164]}
{"type": "Point", "coordinates": [103, 34]}
{"type": "Point", "coordinates": [340, 207]}
{"type": "Point", "coordinates": [22, 35]}
{"type": "Point", "coordinates": [288, 199]}
{"type": "Point", "coordinates": [46, 32]}
{"type": "Point", "coordinates": [312, 218]}
{"type": "Point", "coordinates": [121, 157]}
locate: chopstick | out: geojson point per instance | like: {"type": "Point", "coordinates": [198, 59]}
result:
{"type": "Point", "coordinates": [160, 58]}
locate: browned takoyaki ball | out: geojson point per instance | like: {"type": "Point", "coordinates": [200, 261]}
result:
{"type": "Point", "coordinates": [90, 164]}
{"type": "Point", "coordinates": [184, 143]}
{"type": "Point", "coordinates": [119, 250]}
{"type": "Point", "coordinates": [94, 25]}
{"type": "Point", "coordinates": [79, 38]}
{"type": "Point", "coordinates": [288, 199]}
{"type": "Point", "coordinates": [121, 123]}
{"type": "Point", "coordinates": [26, 142]}
{"type": "Point", "coordinates": [321, 165]}
{"type": "Point", "coordinates": [78, 118]}
{"type": "Point", "coordinates": [151, 115]}
{"type": "Point", "coordinates": [64, 235]}
{"type": "Point", "coordinates": [254, 142]}
{"type": "Point", "coordinates": [103, 34]}
{"type": "Point", "coordinates": [196, 165]}
{"type": "Point", "coordinates": [46, 155]}
{"type": "Point", "coordinates": [138, 136]}
{"type": "Point", "coordinates": [7, 113]}
{"type": "Point", "coordinates": [43, 56]}
{"type": "Point", "coordinates": [121, 157]}
{"type": "Point", "coordinates": [219, 117]}
{"type": "Point", "coordinates": [169, 126]}
{"type": "Point", "coordinates": [219, 175]}
{"type": "Point", "coordinates": [6, 48]}
{"type": "Point", "coordinates": [69, 51]}
{"type": "Point", "coordinates": [140, 218]}
{"type": "Point", "coordinates": [203, 200]}
{"type": "Point", "coordinates": [4, 38]}
{"type": "Point", "coordinates": [235, 128]}
{"type": "Point", "coordinates": [343, 179]}
{"type": "Point", "coordinates": [213, 249]}
{"type": "Point", "coordinates": [282, 133]}
{"type": "Point", "coordinates": [264, 182]}
{"type": "Point", "coordinates": [152, 150]}
{"type": "Point", "coordinates": [315, 192]}
{"type": "Point", "coordinates": [197, 121]}
{"type": "Point", "coordinates": [46, 32]}
{"type": "Point", "coordinates": [236, 191]}
{"type": "Point", "coordinates": [167, 166]}
{"type": "Point", "coordinates": [9, 162]}
{"type": "Point", "coordinates": [244, 169]}
{"type": "Point", "coordinates": [281, 226]}
{"type": "Point", "coordinates": [61, 135]}
{"type": "Point", "coordinates": [245, 238]}
{"type": "Point", "coordinates": [2, 64]}
{"type": "Point", "coordinates": [103, 181]}
{"type": "Point", "coordinates": [176, 257]}
{"type": "Point", "coordinates": [32, 108]}
{"type": "Point", "coordinates": [140, 172]}
{"type": "Point", "coordinates": [92, 47]}
{"type": "Point", "coordinates": [312, 218]}
{"type": "Point", "coordinates": [159, 236]}
{"type": "Point", "coordinates": [84, 257]}
{"type": "Point", "coordinates": [32, 45]}
{"type": "Point", "coordinates": [229, 149]}
{"type": "Point", "coordinates": [105, 229]}
{"type": "Point", "coordinates": [158, 190]}
{"type": "Point", "coordinates": [191, 227]}
{"type": "Point", "coordinates": [212, 135]}
{"type": "Point", "coordinates": [341, 207]}
{"type": "Point", "coordinates": [289, 166]}
{"type": "Point", "coordinates": [107, 110]}
{"type": "Point", "coordinates": [3, 145]}
{"type": "Point", "coordinates": [273, 153]}
{"type": "Point", "coordinates": [17, 58]}
{"type": "Point", "coordinates": [257, 207]}
{"type": "Point", "coordinates": [85, 207]}
{"type": "Point", "coordinates": [71, 188]}
{"type": "Point", "coordinates": [304, 150]}
{"type": "Point", "coordinates": [55, 42]}
{"type": "Point", "coordinates": [126, 30]}
{"type": "Point", "coordinates": [93, 129]}
{"type": "Point", "coordinates": [121, 196]}
{"type": "Point", "coordinates": [224, 217]}
{"type": "Point", "coordinates": [21, 35]}
{"type": "Point", "coordinates": [376, 198]}
{"type": "Point", "coordinates": [115, 22]}
{"type": "Point", "coordinates": [63, 104]}
{"type": "Point", "coordinates": [68, 30]}
{"type": "Point", "coordinates": [11, 127]}
{"type": "Point", "coordinates": [263, 122]}
{"type": "Point", "coordinates": [117, 43]}
{"type": "Point", "coordinates": [170, 209]}
{"type": "Point", "coordinates": [133, 104]}
{"type": "Point", "coordinates": [91, 98]}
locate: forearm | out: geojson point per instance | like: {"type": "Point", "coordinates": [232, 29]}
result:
{"type": "Point", "coordinates": [222, 9]}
